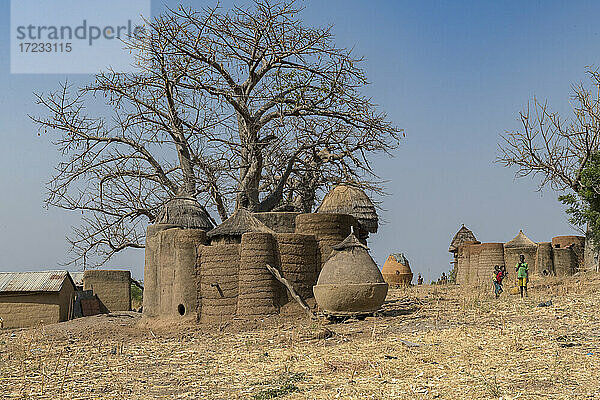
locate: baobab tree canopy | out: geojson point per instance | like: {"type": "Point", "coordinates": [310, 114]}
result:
{"type": "Point", "coordinates": [236, 106]}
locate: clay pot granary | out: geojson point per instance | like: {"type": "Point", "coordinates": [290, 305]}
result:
{"type": "Point", "coordinates": [396, 270]}
{"type": "Point", "coordinates": [463, 235]}
{"type": "Point", "coordinates": [184, 212]}
{"type": "Point", "coordinates": [346, 199]}
{"type": "Point", "coordinates": [350, 282]}
{"type": "Point", "coordinates": [232, 229]}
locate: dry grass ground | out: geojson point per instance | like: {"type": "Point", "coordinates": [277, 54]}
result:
{"type": "Point", "coordinates": [430, 342]}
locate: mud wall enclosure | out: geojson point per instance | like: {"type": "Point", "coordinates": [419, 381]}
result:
{"type": "Point", "coordinates": [562, 257]}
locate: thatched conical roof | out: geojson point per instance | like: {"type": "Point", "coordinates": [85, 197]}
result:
{"type": "Point", "coordinates": [520, 241]}
{"type": "Point", "coordinates": [240, 222]}
{"type": "Point", "coordinates": [346, 199]}
{"type": "Point", "coordinates": [186, 213]}
{"type": "Point", "coordinates": [464, 234]}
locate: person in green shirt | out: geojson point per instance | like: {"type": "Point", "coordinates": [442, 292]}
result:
{"type": "Point", "coordinates": [522, 270]}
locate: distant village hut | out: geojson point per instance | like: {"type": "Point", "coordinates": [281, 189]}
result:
{"type": "Point", "coordinates": [347, 199]}
{"type": "Point", "coordinates": [32, 298]}
{"type": "Point", "coordinates": [520, 244]}
{"type": "Point", "coordinates": [396, 270]}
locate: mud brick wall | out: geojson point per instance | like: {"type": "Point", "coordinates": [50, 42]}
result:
{"type": "Point", "coordinates": [112, 287]}
{"type": "Point", "coordinates": [329, 230]}
{"type": "Point", "coordinates": [219, 282]}
{"type": "Point", "coordinates": [577, 243]}
{"type": "Point", "coordinates": [544, 264]}
{"type": "Point", "coordinates": [565, 261]}
{"type": "Point", "coordinates": [260, 294]}
{"type": "Point", "coordinates": [298, 256]}
{"type": "Point", "coordinates": [280, 222]}
{"type": "Point", "coordinates": [490, 255]}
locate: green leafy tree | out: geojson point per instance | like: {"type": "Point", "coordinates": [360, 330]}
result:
{"type": "Point", "coordinates": [584, 205]}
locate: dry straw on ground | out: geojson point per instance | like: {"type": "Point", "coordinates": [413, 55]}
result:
{"type": "Point", "coordinates": [430, 342]}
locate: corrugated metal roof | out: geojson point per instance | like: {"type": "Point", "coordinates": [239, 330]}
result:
{"type": "Point", "coordinates": [36, 281]}
{"type": "Point", "coordinates": [77, 278]}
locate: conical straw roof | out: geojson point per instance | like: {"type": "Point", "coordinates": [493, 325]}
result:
{"type": "Point", "coordinates": [520, 241]}
{"type": "Point", "coordinates": [240, 222]}
{"type": "Point", "coordinates": [463, 235]}
{"type": "Point", "coordinates": [186, 213]}
{"type": "Point", "coordinates": [346, 199]}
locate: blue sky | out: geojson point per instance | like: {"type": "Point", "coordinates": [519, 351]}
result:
{"type": "Point", "coordinates": [453, 74]}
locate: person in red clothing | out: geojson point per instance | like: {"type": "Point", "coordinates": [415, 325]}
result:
{"type": "Point", "coordinates": [499, 274]}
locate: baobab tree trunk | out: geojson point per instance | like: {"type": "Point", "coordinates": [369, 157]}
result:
{"type": "Point", "coordinates": [251, 171]}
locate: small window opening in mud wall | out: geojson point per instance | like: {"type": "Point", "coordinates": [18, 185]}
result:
{"type": "Point", "coordinates": [181, 309]}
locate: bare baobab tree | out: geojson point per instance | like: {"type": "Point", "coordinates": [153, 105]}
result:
{"type": "Point", "coordinates": [563, 152]}
{"type": "Point", "coordinates": [247, 103]}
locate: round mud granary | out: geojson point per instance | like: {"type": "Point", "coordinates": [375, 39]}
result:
{"type": "Point", "coordinates": [298, 260]}
{"type": "Point", "coordinates": [350, 282]}
{"type": "Point", "coordinates": [329, 229]}
{"type": "Point", "coordinates": [151, 299]}
{"type": "Point", "coordinates": [219, 282]}
{"type": "Point", "coordinates": [260, 294]}
{"type": "Point", "coordinates": [396, 270]}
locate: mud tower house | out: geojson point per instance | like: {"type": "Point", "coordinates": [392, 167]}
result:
{"type": "Point", "coordinates": [211, 274]}
{"type": "Point", "coordinates": [474, 261]}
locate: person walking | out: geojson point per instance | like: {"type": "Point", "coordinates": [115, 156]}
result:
{"type": "Point", "coordinates": [522, 270]}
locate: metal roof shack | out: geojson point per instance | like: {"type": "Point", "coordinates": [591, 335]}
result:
{"type": "Point", "coordinates": [35, 281]}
